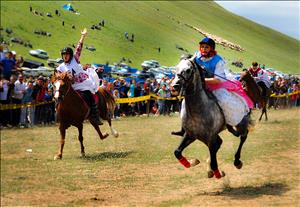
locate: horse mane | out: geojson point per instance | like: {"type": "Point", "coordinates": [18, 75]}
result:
{"type": "Point", "coordinates": [66, 77]}
{"type": "Point", "coordinates": [209, 94]}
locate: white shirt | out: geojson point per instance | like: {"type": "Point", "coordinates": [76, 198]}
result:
{"type": "Point", "coordinates": [82, 79]}
{"type": "Point", "coordinates": [19, 90]}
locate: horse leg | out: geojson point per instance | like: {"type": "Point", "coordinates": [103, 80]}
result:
{"type": "Point", "coordinates": [114, 132]}
{"type": "Point", "coordinates": [96, 127]}
{"type": "Point", "coordinates": [178, 133]}
{"type": "Point", "coordinates": [243, 129]}
{"type": "Point", "coordinates": [214, 146]}
{"type": "Point", "coordinates": [265, 110]}
{"type": "Point", "coordinates": [232, 130]}
{"type": "Point", "coordinates": [80, 138]}
{"type": "Point", "coordinates": [62, 130]}
{"type": "Point", "coordinates": [186, 141]}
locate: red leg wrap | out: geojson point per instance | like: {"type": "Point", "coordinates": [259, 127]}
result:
{"type": "Point", "coordinates": [217, 174]}
{"type": "Point", "coordinates": [185, 162]}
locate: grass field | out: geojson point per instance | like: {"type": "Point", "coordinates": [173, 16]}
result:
{"type": "Point", "coordinates": [154, 24]}
{"type": "Point", "coordinates": [139, 168]}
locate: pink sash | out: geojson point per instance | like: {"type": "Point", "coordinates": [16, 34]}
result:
{"type": "Point", "coordinates": [234, 88]}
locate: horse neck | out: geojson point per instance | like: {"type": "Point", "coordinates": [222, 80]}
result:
{"type": "Point", "coordinates": [73, 100]}
{"type": "Point", "coordinates": [196, 95]}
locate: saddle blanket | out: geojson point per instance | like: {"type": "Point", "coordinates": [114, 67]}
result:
{"type": "Point", "coordinates": [234, 107]}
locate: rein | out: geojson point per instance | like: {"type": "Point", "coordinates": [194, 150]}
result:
{"type": "Point", "coordinates": [195, 63]}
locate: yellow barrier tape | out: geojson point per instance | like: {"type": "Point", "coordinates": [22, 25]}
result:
{"type": "Point", "coordinates": [285, 94]}
{"type": "Point", "coordinates": [171, 98]}
{"type": "Point", "coordinates": [123, 100]}
{"type": "Point", "coordinates": [19, 106]}
{"type": "Point", "coordinates": [131, 100]}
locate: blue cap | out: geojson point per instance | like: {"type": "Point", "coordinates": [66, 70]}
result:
{"type": "Point", "coordinates": [209, 42]}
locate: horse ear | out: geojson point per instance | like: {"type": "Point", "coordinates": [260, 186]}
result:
{"type": "Point", "coordinates": [70, 77]}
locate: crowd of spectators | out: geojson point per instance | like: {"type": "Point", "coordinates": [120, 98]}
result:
{"type": "Point", "coordinates": [15, 88]}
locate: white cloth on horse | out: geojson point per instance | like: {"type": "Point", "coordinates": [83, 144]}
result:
{"type": "Point", "coordinates": [83, 79]}
{"type": "Point", "coordinates": [234, 106]}
{"type": "Point", "coordinates": [263, 76]}
{"type": "Point", "coordinates": [95, 78]}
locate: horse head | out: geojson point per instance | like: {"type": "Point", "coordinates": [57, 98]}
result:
{"type": "Point", "coordinates": [62, 84]}
{"type": "Point", "coordinates": [245, 76]}
{"type": "Point", "coordinates": [187, 77]}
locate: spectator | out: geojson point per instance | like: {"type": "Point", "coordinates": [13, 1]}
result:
{"type": "Point", "coordinates": [17, 96]}
{"type": "Point", "coordinates": [48, 109]}
{"type": "Point", "coordinates": [9, 65]}
{"type": "Point", "coordinates": [4, 99]}
{"type": "Point", "coordinates": [104, 84]}
{"type": "Point", "coordinates": [116, 95]}
{"type": "Point", "coordinates": [162, 93]}
{"type": "Point", "coordinates": [100, 72]}
{"type": "Point", "coordinates": [38, 94]}
{"type": "Point", "coordinates": [2, 54]}
{"type": "Point", "coordinates": [132, 88]}
{"type": "Point", "coordinates": [27, 113]}
{"type": "Point", "coordinates": [126, 35]}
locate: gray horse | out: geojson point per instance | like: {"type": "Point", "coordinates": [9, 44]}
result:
{"type": "Point", "coordinates": [202, 117]}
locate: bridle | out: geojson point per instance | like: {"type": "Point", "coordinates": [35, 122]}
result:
{"type": "Point", "coordinates": [192, 72]}
{"type": "Point", "coordinates": [61, 96]}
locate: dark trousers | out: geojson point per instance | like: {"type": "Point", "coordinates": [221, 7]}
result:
{"type": "Point", "coordinates": [5, 114]}
{"type": "Point", "coordinates": [263, 87]}
{"type": "Point", "coordinates": [88, 97]}
{"type": "Point", "coordinates": [16, 112]}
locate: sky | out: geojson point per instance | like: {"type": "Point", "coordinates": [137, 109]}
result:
{"type": "Point", "coordinates": [282, 16]}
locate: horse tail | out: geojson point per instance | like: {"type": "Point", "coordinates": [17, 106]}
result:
{"type": "Point", "coordinates": [108, 99]}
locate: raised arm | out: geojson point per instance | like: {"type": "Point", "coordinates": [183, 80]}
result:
{"type": "Point", "coordinates": [79, 45]}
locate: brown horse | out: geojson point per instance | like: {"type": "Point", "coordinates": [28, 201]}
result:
{"type": "Point", "coordinates": [73, 110]}
{"type": "Point", "coordinates": [255, 93]}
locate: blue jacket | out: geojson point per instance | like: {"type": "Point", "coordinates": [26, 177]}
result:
{"type": "Point", "coordinates": [209, 66]}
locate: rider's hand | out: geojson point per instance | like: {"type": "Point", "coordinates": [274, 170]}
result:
{"type": "Point", "coordinates": [84, 32]}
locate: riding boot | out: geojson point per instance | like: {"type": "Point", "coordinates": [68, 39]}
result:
{"type": "Point", "coordinates": [95, 117]}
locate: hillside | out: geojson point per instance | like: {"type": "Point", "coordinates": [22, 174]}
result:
{"type": "Point", "coordinates": [154, 25]}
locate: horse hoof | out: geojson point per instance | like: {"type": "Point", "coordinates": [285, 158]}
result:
{"type": "Point", "coordinates": [82, 155]}
{"type": "Point", "coordinates": [210, 174]}
{"type": "Point", "coordinates": [223, 174]}
{"type": "Point", "coordinates": [114, 132]}
{"type": "Point", "coordinates": [194, 162]}
{"type": "Point", "coordinates": [57, 157]}
{"type": "Point", "coordinates": [105, 135]}
{"type": "Point", "coordinates": [238, 164]}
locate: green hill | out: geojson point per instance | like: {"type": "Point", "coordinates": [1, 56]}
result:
{"type": "Point", "coordinates": [154, 24]}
